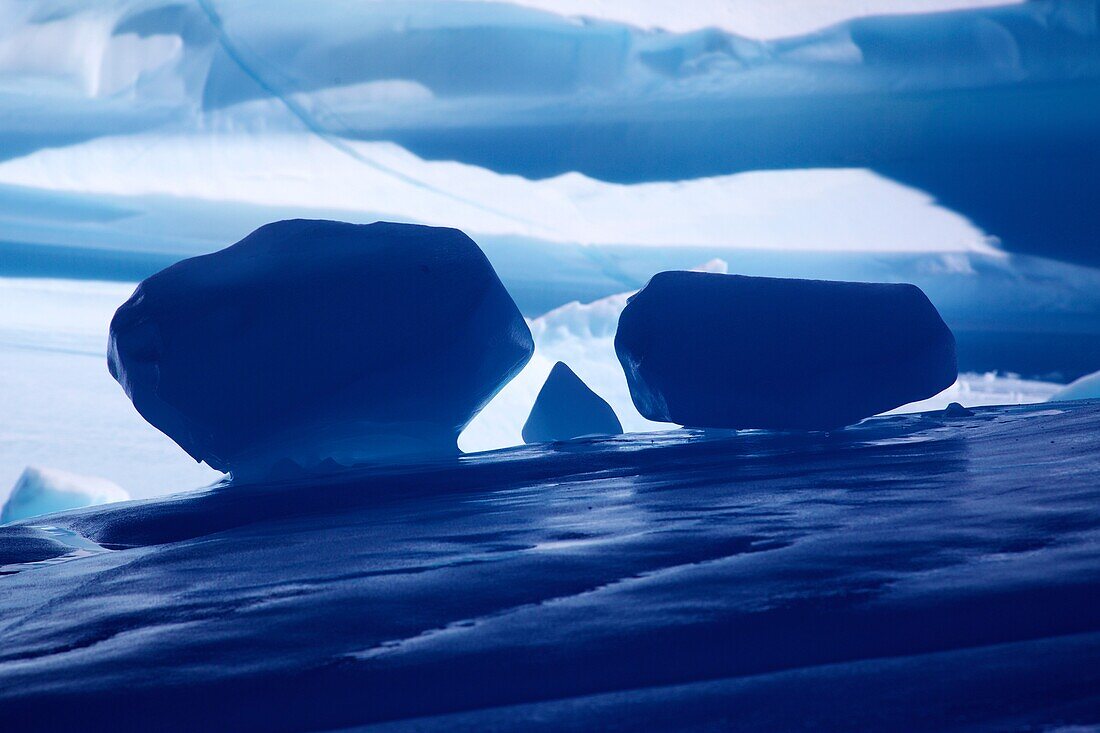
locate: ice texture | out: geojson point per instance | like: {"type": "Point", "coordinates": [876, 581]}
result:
{"type": "Point", "coordinates": [47, 490]}
{"type": "Point", "coordinates": [928, 574]}
{"type": "Point", "coordinates": [310, 341]}
{"type": "Point", "coordinates": [21, 546]}
{"type": "Point", "coordinates": [728, 351]}
{"type": "Point", "coordinates": [567, 408]}
{"type": "Point", "coordinates": [1085, 388]}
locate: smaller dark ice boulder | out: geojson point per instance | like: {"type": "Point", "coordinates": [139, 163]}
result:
{"type": "Point", "coordinates": [728, 351]}
{"type": "Point", "coordinates": [566, 408]}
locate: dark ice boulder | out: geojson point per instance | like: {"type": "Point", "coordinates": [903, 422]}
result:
{"type": "Point", "coordinates": [315, 341]}
{"type": "Point", "coordinates": [727, 351]}
{"type": "Point", "coordinates": [566, 408]}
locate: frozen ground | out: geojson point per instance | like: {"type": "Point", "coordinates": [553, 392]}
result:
{"type": "Point", "coordinates": [911, 572]}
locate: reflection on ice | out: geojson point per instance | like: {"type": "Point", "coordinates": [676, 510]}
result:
{"type": "Point", "coordinates": [642, 566]}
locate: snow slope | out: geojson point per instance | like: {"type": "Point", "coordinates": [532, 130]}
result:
{"type": "Point", "coordinates": [907, 572]}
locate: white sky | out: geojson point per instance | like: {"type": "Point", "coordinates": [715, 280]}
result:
{"type": "Point", "coordinates": [753, 18]}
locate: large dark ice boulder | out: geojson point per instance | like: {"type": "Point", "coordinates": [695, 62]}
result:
{"type": "Point", "coordinates": [566, 408]}
{"type": "Point", "coordinates": [727, 351]}
{"type": "Point", "coordinates": [316, 340]}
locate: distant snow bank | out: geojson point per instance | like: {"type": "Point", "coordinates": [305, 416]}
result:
{"type": "Point", "coordinates": [936, 569]}
{"type": "Point", "coordinates": [60, 406]}
{"type": "Point", "coordinates": [839, 210]}
{"type": "Point", "coordinates": [47, 490]}
{"type": "Point", "coordinates": [990, 388]}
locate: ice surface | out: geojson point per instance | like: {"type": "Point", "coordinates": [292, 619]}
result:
{"type": "Point", "coordinates": [567, 408]}
{"type": "Point", "coordinates": [47, 490]}
{"type": "Point", "coordinates": [1085, 388]}
{"type": "Point", "coordinates": [927, 568]}
{"type": "Point", "coordinates": [727, 351]}
{"type": "Point", "coordinates": [20, 546]}
{"type": "Point", "coordinates": [314, 340]}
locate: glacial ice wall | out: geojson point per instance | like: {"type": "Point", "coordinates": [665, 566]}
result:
{"type": "Point", "coordinates": [1001, 102]}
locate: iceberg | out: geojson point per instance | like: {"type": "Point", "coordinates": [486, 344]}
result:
{"type": "Point", "coordinates": [47, 490]}
{"type": "Point", "coordinates": [1085, 388]}
{"type": "Point", "coordinates": [728, 351]}
{"type": "Point", "coordinates": [582, 335]}
{"type": "Point", "coordinates": [316, 341]}
{"type": "Point", "coordinates": [567, 408]}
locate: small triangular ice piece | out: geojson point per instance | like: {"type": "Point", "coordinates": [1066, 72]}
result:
{"type": "Point", "coordinates": [566, 408]}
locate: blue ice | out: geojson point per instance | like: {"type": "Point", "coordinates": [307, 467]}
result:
{"type": "Point", "coordinates": [567, 408]}
{"type": "Point", "coordinates": [728, 351]}
{"type": "Point", "coordinates": [315, 341]}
